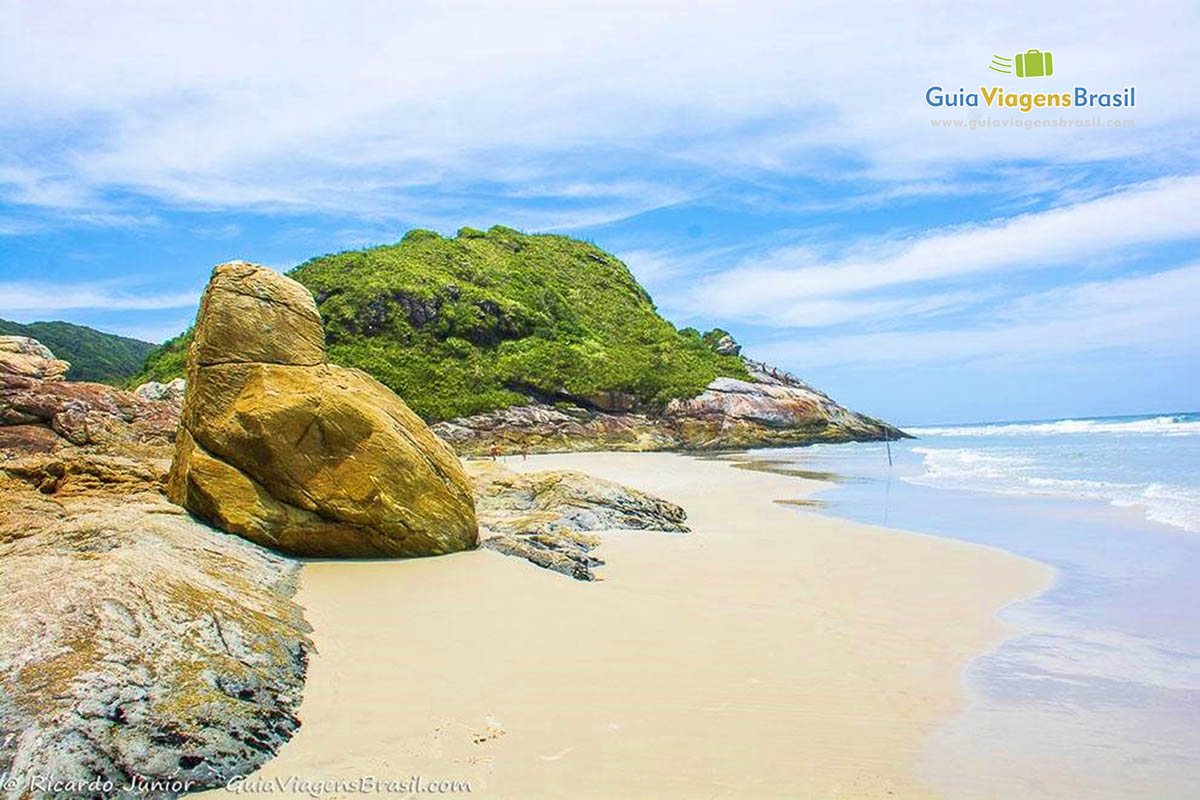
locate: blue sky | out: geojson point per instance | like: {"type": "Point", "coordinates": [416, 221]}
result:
{"type": "Point", "coordinates": [771, 168]}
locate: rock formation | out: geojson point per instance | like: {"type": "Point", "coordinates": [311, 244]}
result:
{"type": "Point", "coordinates": [135, 641]}
{"type": "Point", "coordinates": [546, 517]}
{"type": "Point", "coordinates": [542, 428]}
{"type": "Point", "coordinates": [727, 346]}
{"type": "Point", "coordinates": [74, 473]}
{"type": "Point", "coordinates": [40, 412]}
{"type": "Point", "coordinates": [20, 355]}
{"type": "Point", "coordinates": [772, 409]}
{"type": "Point", "coordinates": [304, 457]}
{"type": "Point", "coordinates": [162, 392]}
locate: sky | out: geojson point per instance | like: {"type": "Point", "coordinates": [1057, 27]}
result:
{"type": "Point", "coordinates": [772, 168]}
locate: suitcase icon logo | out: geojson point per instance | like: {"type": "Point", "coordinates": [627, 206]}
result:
{"type": "Point", "coordinates": [1030, 64]}
{"type": "Point", "coordinates": [1034, 64]}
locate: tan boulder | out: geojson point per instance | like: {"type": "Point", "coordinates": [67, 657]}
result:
{"type": "Point", "coordinates": [29, 358]}
{"type": "Point", "coordinates": [299, 455]}
{"type": "Point", "coordinates": [255, 315]}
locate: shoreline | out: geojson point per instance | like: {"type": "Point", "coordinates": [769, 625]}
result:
{"type": "Point", "coordinates": [1096, 696]}
{"type": "Point", "coordinates": [769, 653]}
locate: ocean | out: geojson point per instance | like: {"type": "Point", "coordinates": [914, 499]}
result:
{"type": "Point", "coordinates": [1097, 695]}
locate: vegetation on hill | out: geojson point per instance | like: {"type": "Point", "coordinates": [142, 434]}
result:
{"type": "Point", "coordinates": [167, 361]}
{"type": "Point", "coordinates": [94, 356]}
{"type": "Point", "coordinates": [484, 320]}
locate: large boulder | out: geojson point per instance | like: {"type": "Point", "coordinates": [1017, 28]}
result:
{"type": "Point", "coordinates": [20, 355]}
{"type": "Point", "coordinates": [299, 455]}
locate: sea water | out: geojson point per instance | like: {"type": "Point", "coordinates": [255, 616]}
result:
{"type": "Point", "coordinates": [1098, 693]}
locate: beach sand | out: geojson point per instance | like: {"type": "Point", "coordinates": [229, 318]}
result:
{"type": "Point", "coordinates": [772, 652]}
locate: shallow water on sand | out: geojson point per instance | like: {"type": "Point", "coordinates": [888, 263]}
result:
{"type": "Point", "coordinates": [1098, 694]}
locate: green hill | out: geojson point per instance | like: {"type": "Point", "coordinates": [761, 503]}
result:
{"type": "Point", "coordinates": [167, 361]}
{"type": "Point", "coordinates": [487, 320]}
{"type": "Point", "coordinates": [94, 356]}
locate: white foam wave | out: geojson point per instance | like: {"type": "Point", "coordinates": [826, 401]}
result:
{"type": "Point", "coordinates": [973, 470]}
{"type": "Point", "coordinates": [1179, 425]}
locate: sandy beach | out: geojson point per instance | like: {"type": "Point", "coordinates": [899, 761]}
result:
{"type": "Point", "coordinates": [772, 652]}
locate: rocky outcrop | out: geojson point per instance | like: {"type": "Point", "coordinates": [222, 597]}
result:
{"type": "Point", "coordinates": [134, 641]}
{"type": "Point", "coordinates": [304, 457]}
{"type": "Point", "coordinates": [734, 414]}
{"type": "Point", "coordinates": [41, 413]}
{"type": "Point", "coordinates": [154, 391]}
{"type": "Point", "coordinates": [772, 409]}
{"type": "Point", "coordinates": [727, 346]}
{"type": "Point", "coordinates": [541, 428]}
{"type": "Point", "coordinates": [547, 517]}
{"type": "Point", "coordinates": [74, 473]}
{"type": "Point", "coordinates": [86, 413]}
{"type": "Point", "coordinates": [29, 358]}
{"type": "Point", "coordinates": [23, 439]}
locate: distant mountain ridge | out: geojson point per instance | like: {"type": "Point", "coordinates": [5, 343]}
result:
{"type": "Point", "coordinates": [94, 355]}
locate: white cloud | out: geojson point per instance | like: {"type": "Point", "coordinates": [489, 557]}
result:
{"type": "Point", "coordinates": [156, 333]}
{"type": "Point", "coordinates": [824, 312]}
{"type": "Point", "coordinates": [375, 107]}
{"type": "Point", "coordinates": [772, 287]}
{"type": "Point", "coordinates": [20, 227]}
{"type": "Point", "coordinates": [1151, 313]}
{"type": "Point", "coordinates": [654, 268]}
{"type": "Point", "coordinates": [21, 297]}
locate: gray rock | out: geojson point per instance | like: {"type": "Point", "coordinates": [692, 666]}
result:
{"type": "Point", "coordinates": [732, 413]}
{"type": "Point", "coordinates": [546, 517]}
{"type": "Point", "coordinates": [541, 428]}
{"type": "Point", "coordinates": [163, 392]}
{"type": "Point", "coordinates": [727, 346]}
{"type": "Point", "coordinates": [773, 409]}
{"type": "Point", "coordinates": [548, 551]}
{"type": "Point", "coordinates": [138, 642]}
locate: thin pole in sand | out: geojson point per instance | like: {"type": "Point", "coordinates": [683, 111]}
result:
{"type": "Point", "coordinates": [888, 440]}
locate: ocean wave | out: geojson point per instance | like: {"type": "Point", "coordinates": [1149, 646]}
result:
{"type": "Point", "coordinates": [1176, 425]}
{"type": "Point", "coordinates": [974, 470]}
